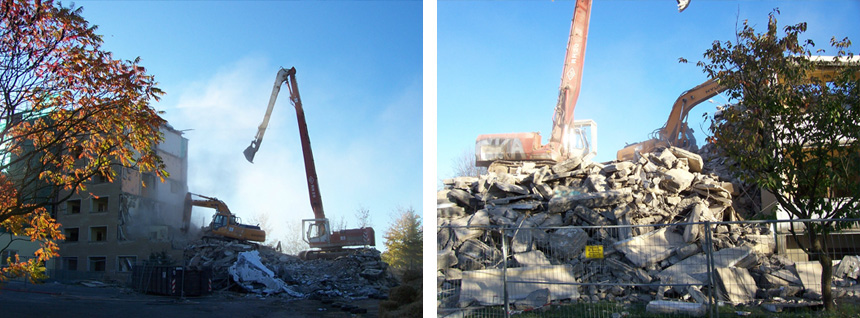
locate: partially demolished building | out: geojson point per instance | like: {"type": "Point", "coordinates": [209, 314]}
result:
{"type": "Point", "coordinates": [113, 225]}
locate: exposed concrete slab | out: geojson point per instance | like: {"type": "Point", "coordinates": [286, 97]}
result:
{"type": "Point", "coordinates": [486, 286]}
{"type": "Point", "coordinates": [651, 247]}
{"type": "Point", "coordinates": [735, 284]}
{"type": "Point", "coordinates": [696, 266]}
{"type": "Point", "coordinates": [532, 258]}
{"type": "Point", "coordinates": [560, 202]}
{"type": "Point", "coordinates": [511, 188]}
{"type": "Point", "coordinates": [810, 275]}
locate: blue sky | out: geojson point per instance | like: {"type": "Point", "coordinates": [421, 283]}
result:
{"type": "Point", "coordinates": [499, 63]}
{"type": "Point", "coordinates": [359, 71]}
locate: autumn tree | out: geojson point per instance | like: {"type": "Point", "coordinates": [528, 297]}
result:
{"type": "Point", "coordinates": [795, 129]}
{"type": "Point", "coordinates": [404, 241]}
{"type": "Point", "coordinates": [69, 111]}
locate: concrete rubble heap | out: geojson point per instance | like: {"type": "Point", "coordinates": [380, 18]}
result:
{"type": "Point", "coordinates": [650, 197]}
{"type": "Point", "coordinates": [264, 270]}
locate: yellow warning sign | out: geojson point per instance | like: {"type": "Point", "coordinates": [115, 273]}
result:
{"type": "Point", "coordinates": [594, 251]}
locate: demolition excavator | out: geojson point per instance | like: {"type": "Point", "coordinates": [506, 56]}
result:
{"type": "Point", "coordinates": [676, 133]}
{"type": "Point", "coordinates": [224, 225]}
{"type": "Point", "coordinates": [317, 232]}
{"type": "Point", "coordinates": [569, 138]}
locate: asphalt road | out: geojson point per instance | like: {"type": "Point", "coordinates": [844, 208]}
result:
{"type": "Point", "coordinates": [18, 299]}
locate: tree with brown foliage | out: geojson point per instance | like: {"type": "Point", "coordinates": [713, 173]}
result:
{"type": "Point", "coordinates": [69, 112]}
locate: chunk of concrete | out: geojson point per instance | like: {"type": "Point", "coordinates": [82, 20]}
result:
{"type": "Point", "coordinates": [461, 197]}
{"type": "Point", "coordinates": [810, 275]}
{"type": "Point", "coordinates": [470, 227]}
{"type": "Point", "coordinates": [535, 299]}
{"type": "Point", "coordinates": [696, 266]}
{"type": "Point", "coordinates": [625, 167]}
{"type": "Point", "coordinates": [848, 267]}
{"type": "Point", "coordinates": [449, 210]}
{"type": "Point", "coordinates": [477, 250]}
{"type": "Point", "coordinates": [532, 258]}
{"type": "Point", "coordinates": [666, 307]}
{"type": "Point", "coordinates": [565, 243]}
{"type": "Point", "coordinates": [735, 285]}
{"type": "Point", "coordinates": [693, 231]}
{"type": "Point", "coordinates": [590, 216]}
{"type": "Point", "coordinates": [511, 188]}
{"type": "Point", "coordinates": [596, 183]}
{"type": "Point", "coordinates": [486, 286]}
{"type": "Point", "coordinates": [445, 259]}
{"type": "Point", "coordinates": [650, 248]}
{"type": "Point", "coordinates": [567, 165]}
{"type": "Point", "coordinates": [693, 160]}
{"type": "Point", "coordinates": [560, 203]}
{"type": "Point", "coordinates": [676, 180]}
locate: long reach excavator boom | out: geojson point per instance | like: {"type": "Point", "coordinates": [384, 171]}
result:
{"type": "Point", "coordinates": [316, 232]}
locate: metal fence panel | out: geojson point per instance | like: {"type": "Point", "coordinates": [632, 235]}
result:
{"type": "Point", "coordinates": [678, 269]}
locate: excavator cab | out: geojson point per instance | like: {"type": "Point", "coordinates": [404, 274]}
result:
{"type": "Point", "coordinates": [317, 232]}
{"type": "Point", "coordinates": [218, 221]}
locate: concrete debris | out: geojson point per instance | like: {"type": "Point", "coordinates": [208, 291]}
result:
{"type": "Point", "coordinates": [735, 285]}
{"type": "Point", "coordinates": [636, 213]}
{"type": "Point", "coordinates": [252, 275]}
{"type": "Point", "coordinates": [484, 286]}
{"type": "Point", "coordinates": [665, 307]}
{"type": "Point", "coordinates": [535, 299]}
{"type": "Point", "coordinates": [849, 267]}
{"type": "Point", "coordinates": [263, 270]}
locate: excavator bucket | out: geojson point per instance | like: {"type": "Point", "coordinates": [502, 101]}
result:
{"type": "Point", "coordinates": [682, 4]}
{"type": "Point", "coordinates": [251, 151]}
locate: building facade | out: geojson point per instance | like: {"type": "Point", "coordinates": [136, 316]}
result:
{"type": "Point", "coordinates": [113, 225]}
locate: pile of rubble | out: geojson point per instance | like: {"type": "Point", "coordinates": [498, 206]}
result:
{"type": "Point", "coordinates": [637, 211]}
{"type": "Point", "coordinates": [266, 271]}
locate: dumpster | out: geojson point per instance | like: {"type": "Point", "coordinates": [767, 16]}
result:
{"type": "Point", "coordinates": [171, 280]}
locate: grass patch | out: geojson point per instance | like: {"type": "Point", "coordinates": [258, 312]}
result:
{"type": "Point", "coordinates": [844, 309]}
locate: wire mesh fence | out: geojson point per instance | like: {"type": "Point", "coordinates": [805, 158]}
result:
{"type": "Point", "coordinates": [666, 270]}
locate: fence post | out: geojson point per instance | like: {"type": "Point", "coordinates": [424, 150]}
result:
{"type": "Point", "coordinates": [713, 311]}
{"type": "Point", "coordinates": [505, 273]}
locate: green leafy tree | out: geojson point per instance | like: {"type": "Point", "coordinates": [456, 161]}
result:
{"type": "Point", "coordinates": [796, 128]}
{"type": "Point", "coordinates": [404, 241]}
{"type": "Point", "coordinates": [69, 112]}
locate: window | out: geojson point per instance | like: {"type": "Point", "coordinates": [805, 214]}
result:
{"type": "Point", "coordinates": [73, 206]}
{"type": "Point", "coordinates": [98, 234]}
{"type": "Point", "coordinates": [71, 234]}
{"type": "Point", "coordinates": [97, 263]}
{"type": "Point", "coordinates": [70, 263]}
{"type": "Point", "coordinates": [98, 178]}
{"type": "Point", "coordinates": [7, 256]}
{"type": "Point", "coordinates": [100, 204]}
{"type": "Point", "coordinates": [125, 263]}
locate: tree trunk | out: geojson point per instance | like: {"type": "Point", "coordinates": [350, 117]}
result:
{"type": "Point", "coordinates": [826, 270]}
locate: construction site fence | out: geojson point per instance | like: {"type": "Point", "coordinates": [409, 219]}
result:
{"type": "Point", "coordinates": [699, 269]}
